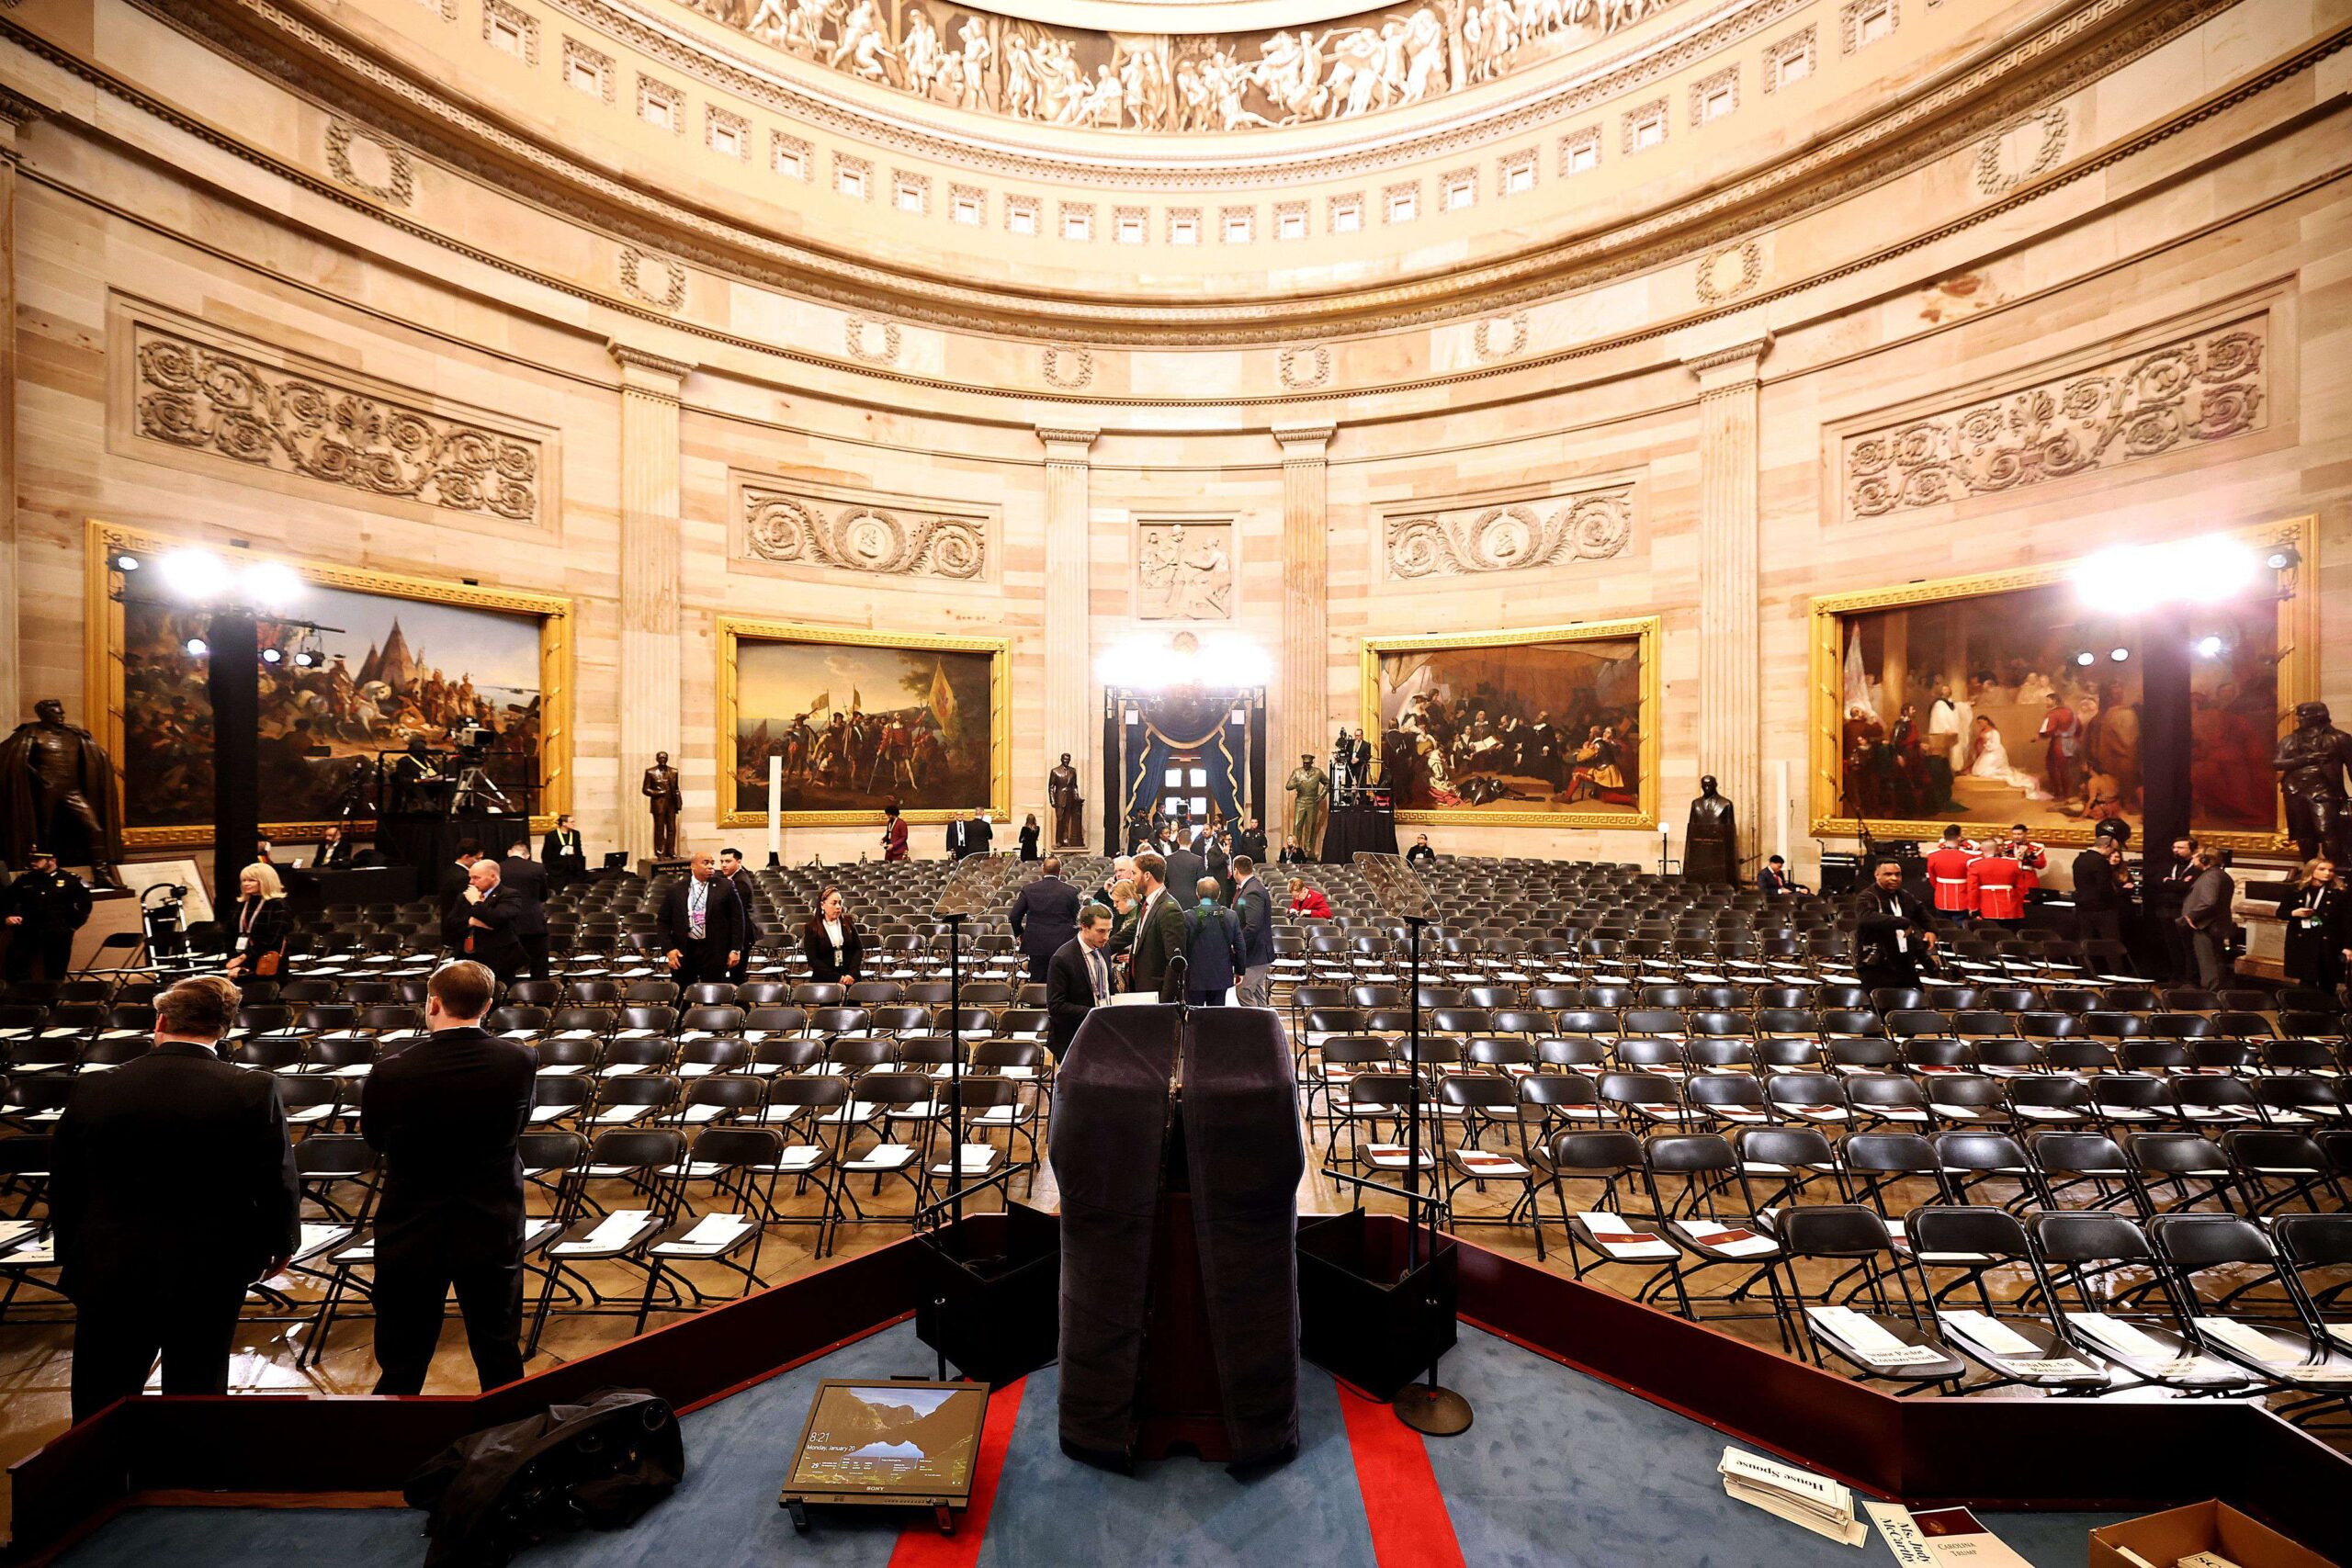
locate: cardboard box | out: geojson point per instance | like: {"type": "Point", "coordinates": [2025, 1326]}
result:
{"type": "Point", "coordinates": [2162, 1540]}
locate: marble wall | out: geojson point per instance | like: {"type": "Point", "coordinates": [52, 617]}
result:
{"type": "Point", "coordinates": [1719, 417]}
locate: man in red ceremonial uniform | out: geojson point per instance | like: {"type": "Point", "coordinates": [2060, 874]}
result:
{"type": "Point", "coordinates": [1995, 890]}
{"type": "Point", "coordinates": [2032, 859]}
{"type": "Point", "coordinates": [1948, 866]}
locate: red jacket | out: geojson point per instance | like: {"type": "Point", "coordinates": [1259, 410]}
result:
{"type": "Point", "coordinates": [1310, 902]}
{"type": "Point", "coordinates": [1996, 888]}
{"type": "Point", "coordinates": [1948, 875]}
{"type": "Point", "coordinates": [2032, 862]}
{"type": "Point", "coordinates": [894, 839]}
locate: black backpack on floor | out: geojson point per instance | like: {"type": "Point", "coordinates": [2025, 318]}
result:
{"type": "Point", "coordinates": [598, 1465]}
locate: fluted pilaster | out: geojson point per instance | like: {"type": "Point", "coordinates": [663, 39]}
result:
{"type": "Point", "coordinates": [650, 711]}
{"type": "Point", "coordinates": [1302, 704]}
{"type": "Point", "coordinates": [1070, 721]}
{"type": "Point", "coordinates": [15, 113]}
{"type": "Point", "coordinates": [1731, 711]}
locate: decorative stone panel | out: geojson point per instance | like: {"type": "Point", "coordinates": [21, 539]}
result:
{"type": "Point", "coordinates": [785, 523]}
{"type": "Point", "coordinates": [2207, 385]}
{"type": "Point", "coordinates": [371, 165]}
{"type": "Point", "coordinates": [1185, 568]}
{"type": "Point", "coordinates": [1573, 522]}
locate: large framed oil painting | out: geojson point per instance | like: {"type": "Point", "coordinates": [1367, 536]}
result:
{"type": "Point", "coordinates": [396, 658]}
{"type": "Point", "coordinates": [861, 720]}
{"type": "Point", "coordinates": [1552, 727]}
{"type": "Point", "coordinates": [2008, 697]}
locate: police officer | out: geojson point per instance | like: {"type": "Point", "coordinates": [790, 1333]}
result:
{"type": "Point", "coordinates": [44, 908]}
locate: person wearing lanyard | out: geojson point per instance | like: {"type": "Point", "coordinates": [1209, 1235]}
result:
{"type": "Point", "coordinates": [1078, 979]}
{"type": "Point", "coordinates": [1890, 931]}
{"type": "Point", "coordinates": [262, 924]}
{"type": "Point", "coordinates": [830, 942]}
{"type": "Point", "coordinates": [2318, 914]}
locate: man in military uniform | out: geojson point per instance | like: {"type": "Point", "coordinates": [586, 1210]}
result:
{"type": "Point", "coordinates": [44, 908]}
{"type": "Point", "coordinates": [1313, 790]}
{"type": "Point", "coordinates": [55, 781]}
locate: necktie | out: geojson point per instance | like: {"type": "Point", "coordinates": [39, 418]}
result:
{"type": "Point", "coordinates": [1095, 971]}
{"type": "Point", "coordinates": [697, 904]}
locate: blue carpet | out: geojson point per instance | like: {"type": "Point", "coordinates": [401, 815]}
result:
{"type": "Point", "coordinates": [1560, 1470]}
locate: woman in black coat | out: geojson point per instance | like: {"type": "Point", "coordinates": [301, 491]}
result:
{"type": "Point", "coordinates": [1029, 837]}
{"type": "Point", "coordinates": [2318, 913]}
{"type": "Point", "coordinates": [832, 941]}
{"type": "Point", "coordinates": [258, 925]}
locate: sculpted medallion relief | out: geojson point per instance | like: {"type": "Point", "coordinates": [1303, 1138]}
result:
{"type": "Point", "coordinates": [1457, 541]}
{"type": "Point", "coordinates": [2202, 388]}
{"type": "Point", "coordinates": [1375, 60]}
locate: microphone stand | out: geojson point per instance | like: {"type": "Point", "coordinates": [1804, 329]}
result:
{"type": "Point", "coordinates": [1427, 1406]}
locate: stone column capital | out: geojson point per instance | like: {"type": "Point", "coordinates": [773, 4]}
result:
{"type": "Point", "coordinates": [1304, 443]}
{"type": "Point", "coordinates": [1067, 442]}
{"type": "Point", "coordinates": [1735, 365]}
{"type": "Point", "coordinates": [644, 371]}
{"type": "Point", "coordinates": [16, 111]}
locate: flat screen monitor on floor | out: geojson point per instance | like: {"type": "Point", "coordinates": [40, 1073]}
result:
{"type": "Point", "coordinates": [913, 1444]}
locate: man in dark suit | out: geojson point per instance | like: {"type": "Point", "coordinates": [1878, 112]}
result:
{"type": "Point", "coordinates": [162, 1269]}
{"type": "Point", "coordinates": [1256, 908]}
{"type": "Point", "coordinates": [1185, 869]}
{"type": "Point", "coordinates": [1044, 916]}
{"type": "Point", "coordinates": [456, 877]}
{"type": "Point", "coordinates": [445, 1114]}
{"type": "Point", "coordinates": [527, 881]}
{"type": "Point", "coordinates": [738, 877]}
{"type": "Point", "coordinates": [1773, 880]}
{"type": "Point", "coordinates": [335, 851]}
{"type": "Point", "coordinates": [969, 836]}
{"type": "Point", "coordinates": [1160, 926]}
{"type": "Point", "coordinates": [564, 854]}
{"type": "Point", "coordinates": [1891, 932]}
{"type": "Point", "coordinates": [2102, 892]}
{"type": "Point", "coordinates": [492, 916]}
{"type": "Point", "coordinates": [1250, 841]}
{"type": "Point", "coordinates": [2206, 913]}
{"type": "Point", "coordinates": [702, 924]}
{"type": "Point", "coordinates": [1215, 850]}
{"type": "Point", "coordinates": [1078, 979]}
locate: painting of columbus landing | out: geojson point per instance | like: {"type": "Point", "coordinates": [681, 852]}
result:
{"type": "Point", "coordinates": [2023, 705]}
{"type": "Point", "coordinates": [395, 669]}
{"type": "Point", "coordinates": [1555, 727]}
{"type": "Point", "coordinates": [857, 725]}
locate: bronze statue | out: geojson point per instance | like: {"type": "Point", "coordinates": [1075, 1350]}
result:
{"type": "Point", "coordinates": [1711, 840]}
{"type": "Point", "coordinates": [56, 783]}
{"type": "Point", "coordinates": [662, 792]}
{"type": "Point", "coordinates": [1061, 794]}
{"type": "Point", "coordinates": [2312, 760]}
{"type": "Point", "coordinates": [1306, 813]}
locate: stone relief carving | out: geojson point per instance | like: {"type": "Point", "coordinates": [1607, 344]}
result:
{"type": "Point", "coordinates": [1184, 571]}
{"type": "Point", "coordinates": [1157, 82]}
{"type": "Point", "coordinates": [1304, 368]}
{"type": "Point", "coordinates": [656, 281]}
{"type": "Point", "coordinates": [207, 398]}
{"type": "Point", "coordinates": [1499, 337]}
{"type": "Point", "coordinates": [1729, 272]}
{"type": "Point", "coordinates": [876, 342]}
{"type": "Point", "coordinates": [1460, 541]}
{"type": "Point", "coordinates": [371, 166]}
{"type": "Point", "coordinates": [1070, 366]}
{"type": "Point", "coordinates": [2203, 388]}
{"type": "Point", "coordinates": [804, 529]}
{"type": "Point", "coordinates": [2023, 152]}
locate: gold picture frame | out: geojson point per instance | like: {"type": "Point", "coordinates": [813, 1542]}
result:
{"type": "Point", "coordinates": [734, 631]}
{"type": "Point", "coordinates": [103, 645]}
{"type": "Point", "coordinates": [2298, 675]}
{"type": "Point", "coordinates": [1646, 631]}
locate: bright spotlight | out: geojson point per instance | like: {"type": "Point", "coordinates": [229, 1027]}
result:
{"type": "Point", "coordinates": [2208, 648]}
{"type": "Point", "coordinates": [2128, 577]}
{"type": "Point", "coordinates": [195, 574]}
{"type": "Point", "coordinates": [2086, 657]}
{"type": "Point", "coordinates": [2282, 557]}
{"type": "Point", "coordinates": [126, 563]}
{"type": "Point", "coordinates": [306, 660]}
{"type": "Point", "coordinates": [269, 584]}
{"type": "Point", "coordinates": [271, 656]}
{"type": "Point", "coordinates": [2119, 655]}
{"type": "Point", "coordinates": [196, 649]}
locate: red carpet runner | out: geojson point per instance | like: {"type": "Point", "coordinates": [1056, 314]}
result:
{"type": "Point", "coordinates": [922, 1545]}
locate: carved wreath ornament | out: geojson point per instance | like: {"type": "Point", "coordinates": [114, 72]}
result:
{"type": "Point", "coordinates": [2201, 388]}
{"type": "Point", "coordinates": [1509, 538]}
{"type": "Point", "coordinates": [861, 538]}
{"type": "Point", "coordinates": [198, 397]}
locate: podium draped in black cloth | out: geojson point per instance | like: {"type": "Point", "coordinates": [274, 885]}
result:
{"type": "Point", "coordinates": [1358, 827]}
{"type": "Point", "coordinates": [1180, 1275]}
